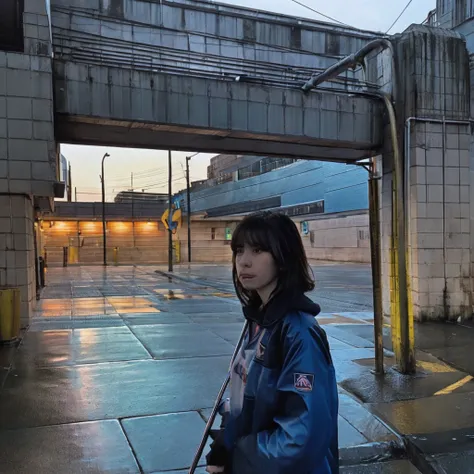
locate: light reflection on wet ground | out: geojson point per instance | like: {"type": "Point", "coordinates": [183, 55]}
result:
{"type": "Point", "coordinates": [120, 365]}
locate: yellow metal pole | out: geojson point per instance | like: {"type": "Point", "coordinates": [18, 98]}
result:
{"type": "Point", "coordinates": [9, 314]}
{"type": "Point", "coordinates": [403, 338]}
{"type": "Point", "coordinates": [375, 243]}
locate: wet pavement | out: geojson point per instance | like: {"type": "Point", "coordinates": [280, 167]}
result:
{"type": "Point", "coordinates": [433, 411]}
{"type": "Point", "coordinates": [120, 367]}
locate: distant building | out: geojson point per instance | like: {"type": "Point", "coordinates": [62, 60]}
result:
{"type": "Point", "coordinates": [225, 168]}
{"type": "Point", "coordinates": [457, 15]}
{"type": "Point", "coordinates": [134, 196]}
{"type": "Point", "coordinates": [64, 170]}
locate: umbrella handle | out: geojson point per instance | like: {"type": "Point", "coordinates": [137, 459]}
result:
{"type": "Point", "coordinates": [217, 403]}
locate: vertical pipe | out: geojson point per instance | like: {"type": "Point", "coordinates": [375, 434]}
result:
{"type": "Point", "coordinates": [170, 214]}
{"type": "Point", "coordinates": [443, 210]}
{"type": "Point", "coordinates": [404, 342]}
{"type": "Point", "coordinates": [375, 242]}
{"type": "Point", "coordinates": [188, 192]}
{"type": "Point", "coordinates": [133, 196]}
{"type": "Point", "coordinates": [69, 184]}
{"type": "Point", "coordinates": [104, 230]}
{"type": "Point", "coordinates": [37, 266]}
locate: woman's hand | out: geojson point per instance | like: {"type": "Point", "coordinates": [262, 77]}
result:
{"type": "Point", "coordinates": [214, 469]}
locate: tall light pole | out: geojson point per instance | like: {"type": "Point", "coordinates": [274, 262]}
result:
{"type": "Point", "coordinates": [104, 230]}
{"type": "Point", "coordinates": [188, 194]}
{"type": "Point", "coordinates": [170, 214]}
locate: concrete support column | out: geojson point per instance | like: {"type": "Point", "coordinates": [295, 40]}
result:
{"type": "Point", "coordinates": [17, 257]}
{"type": "Point", "coordinates": [28, 152]}
{"type": "Point", "coordinates": [433, 109]}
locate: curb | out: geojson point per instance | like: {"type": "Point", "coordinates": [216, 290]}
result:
{"type": "Point", "coordinates": [371, 453]}
{"type": "Point", "coordinates": [419, 459]}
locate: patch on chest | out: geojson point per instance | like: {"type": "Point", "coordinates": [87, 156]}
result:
{"type": "Point", "coordinates": [304, 382]}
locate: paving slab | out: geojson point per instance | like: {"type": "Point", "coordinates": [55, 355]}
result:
{"type": "Point", "coordinates": [79, 346]}
{"type": "Point", "coordinates": [349, 435]}
{"type": "Point", "coordinates": [135, 319]}
{"type": "Point", "coordinates": [337, 345]}
{"type": "Point", "coordinates": [165, 442]}
{"type": "Point", "coordinates": [456, 356]}
{"type": "Point", "coordinates": [367, 424]}
{"type": "Point", "coordinates": [457, 463]}
{"type": "Point", "coordinates": [45, 324]}
{"type": "Point", "coordinates": [183, 320]}
{"type": "Point", "coordinates": [38, 397]}
{"type": "Point", "coordinates": [393, 467]}
{"type": "Point", "coordinates": [229, 331]}
{"type": "Point", "coordinates": [94, 447]}
{"type": "Point", "coordinates": [428, 415]}
{"type": "Point", "coordinates": [199, 470]}
{"type": "Point", "coordinates": [435, 335]}
{"type": "Point", "coordinates": [186, 307]}
{"type": "Point", "coordinates": [344, 334]}
{"type": "Point", "coordinates": [234, 316]}
{"type": "Point", "coordinates": [394, 386]}
{"type": "Point", "coordinates": [171, 341]}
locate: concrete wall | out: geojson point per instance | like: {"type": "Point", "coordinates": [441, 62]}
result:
{"type": "Point", "coordinates": [144, 74]}
{"type": "Point", "coordinates": [213, 38]}
{"type": "Point", "coordinates": [122, 107]}
{"type": "Point", "coordinates": [17, 256]}
{"type": "Point", "coordinates": [209, 244]}
{"type": "Point", "coordinates": [135, 242]}
{"type": "Point", "coordinates": [337, 238]}
{"type": "Point", "coordinates": [334, 238]}
{"type": "Point", "coordinates": [439, 178]}
{"type": "Point", "coordinates": [28, 154]}
{"type": "Point", "coordinates": [342, 187]}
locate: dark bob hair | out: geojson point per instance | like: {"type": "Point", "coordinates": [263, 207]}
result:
{"type": "Point", "coordinates": [275, 233]}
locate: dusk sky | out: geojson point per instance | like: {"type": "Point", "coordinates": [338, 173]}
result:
{"type": "Point", "coordinates": [150, 166]}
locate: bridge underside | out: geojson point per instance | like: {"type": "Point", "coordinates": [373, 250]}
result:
{"type": "Point", "coordinates": [99, 105]}
{"type": "Point", "coordinates": [82, 130]}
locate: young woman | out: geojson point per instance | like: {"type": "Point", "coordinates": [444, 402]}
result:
{"type": "Point", "coordinates": [281, 417]}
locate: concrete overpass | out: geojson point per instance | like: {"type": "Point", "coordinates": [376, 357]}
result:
{"type": "Point", "coordinates": [208, 77]}
{"type": "Point", "coordinates": [195, 75]}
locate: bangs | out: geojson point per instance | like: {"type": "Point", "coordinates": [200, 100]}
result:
{"type": "Point", "coordinates": [253, 232]}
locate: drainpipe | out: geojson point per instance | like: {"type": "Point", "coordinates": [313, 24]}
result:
{"type": "Point", "coordinates": [352, 61]}
{"type": "Point", "coordinates": [406, 341]}
{"type": "Point", "coordinates": [403, 337]}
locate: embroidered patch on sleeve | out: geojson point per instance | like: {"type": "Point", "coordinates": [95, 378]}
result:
{"type": "Point", "coordinates": [304, 382]}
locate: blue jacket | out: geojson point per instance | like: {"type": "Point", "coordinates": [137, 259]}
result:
{"type": "Point", "coordinates": [288, 423]}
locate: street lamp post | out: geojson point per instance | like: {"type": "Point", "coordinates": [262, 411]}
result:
{"type": "Point", "coordinates": [104, 230]}
{"type": "Point", "coordinates": [188, 195]}
{"type": "Point", "coordinates": [170, 213]}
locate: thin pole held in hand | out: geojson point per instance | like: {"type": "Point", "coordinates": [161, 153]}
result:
{"type": "Point", "coordinates": [215, 409]}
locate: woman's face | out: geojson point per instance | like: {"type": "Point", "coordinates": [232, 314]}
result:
{"type": "Point", "coordinates": [256, 270]}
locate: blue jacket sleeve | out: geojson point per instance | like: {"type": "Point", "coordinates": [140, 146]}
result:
{"type": "Point", "coordinates": [305, 426]}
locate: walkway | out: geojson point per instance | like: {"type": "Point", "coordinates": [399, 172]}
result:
{"type": "Point", "coordinates": [120, 367]}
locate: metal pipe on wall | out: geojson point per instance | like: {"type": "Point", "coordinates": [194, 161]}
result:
{"type": "Point", "coordinates": [375, 242]}
{"type": "Point", "coordinates": [350, 62]}
{"type": "Point", "coordinates": [402, 324]}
